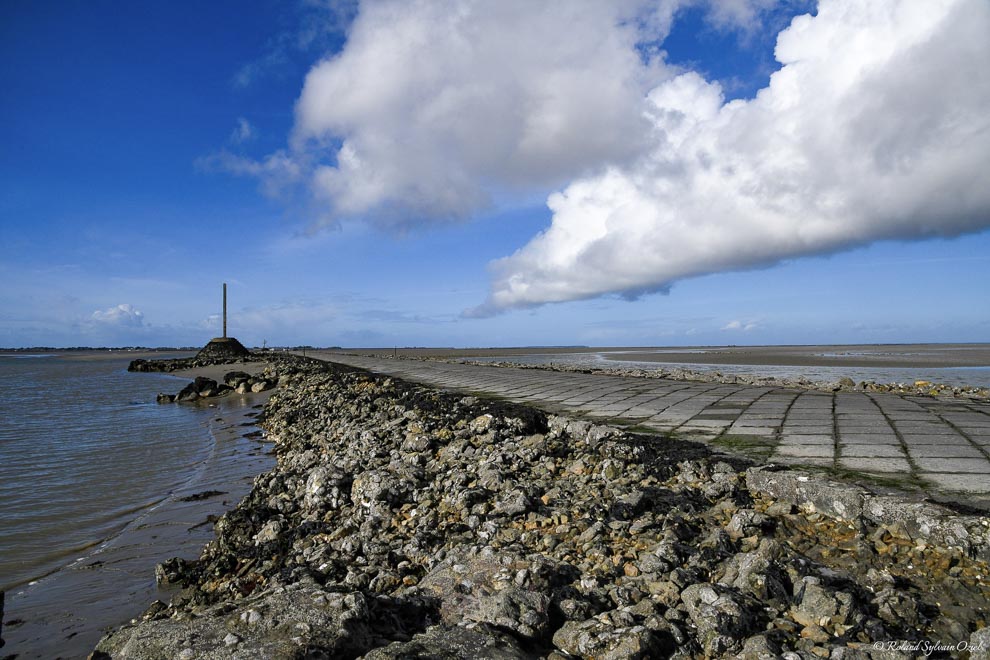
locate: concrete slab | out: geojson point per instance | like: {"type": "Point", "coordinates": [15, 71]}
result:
{"type": "Point", "coordinates": [701, 422]}
{"type": "Point", "coordinates": [953, 465]}
{"type": "Point", "coordinates": [939, 440]}
{"type": "Point", "coordinates": [870, 438]}
{"type": "Point", "coordinates": [800, 439]}
{"type": "Point", "coordinates": [946, 451]}
{"type": "Point", "coordinates": [752, 430]}
{"type": "Point", "coordinates": [965, 483]}
{"type": "Point", "coordinates": [861, 428]}
{"type": "Point", "coordinates": [871, 427]}
{"type": "Point", "coordinates": [883, 465]}
{"type": "Point", "coordinates": [807, 430]}
{"type": "Point", "coordinates": [803, 460]}
{"type": "Point", "coordinates": [871, 451]}
{"type": "Point", "coordinates": [805, 451]}
{"type": "Point", "coordinates": [924, 429]}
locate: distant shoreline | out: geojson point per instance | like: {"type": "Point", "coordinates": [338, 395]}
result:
{"type": "Point", "coordinates": [907, 356]}
{"type": "Point", "coordinates": [100, 349]}
{"type": "Point", "coordinates": [820, 355]}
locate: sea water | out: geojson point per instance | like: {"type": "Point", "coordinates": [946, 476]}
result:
{"type": "Point", "coordinates": [98, 483]}
{"type": "Point", "coordinates": [84, 449]}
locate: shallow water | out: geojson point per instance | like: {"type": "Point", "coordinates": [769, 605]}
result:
{"type": "Point", "coordinates": [92, 476]}
{"type": "Point", "coordinates": [84, 448]}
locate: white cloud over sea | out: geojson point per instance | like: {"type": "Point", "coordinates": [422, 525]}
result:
{"type": "Point", "coordinates": [123, 315]}
{"type": "Point", "coordinates": [433, 106]}
{"type": "Point", "coordinates": [873, 127]}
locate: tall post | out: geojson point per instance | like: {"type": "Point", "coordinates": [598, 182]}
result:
{"type": "Point", "coordinates": [224, 310]}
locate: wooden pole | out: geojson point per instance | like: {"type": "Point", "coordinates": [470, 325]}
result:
{"type": "Point", "coordinates": [224, 310]}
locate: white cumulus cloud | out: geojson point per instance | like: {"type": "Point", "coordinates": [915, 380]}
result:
{"type": "Point", "coordinates": [874, 127]}
{"type": "Point", "coordinates": [432, 109]}
{"type": "Point", "coordinates": [745, 326]}
{"type": "Point", "coordinates": [432, 106]}
{"type": "Point", "coordinates": [124, 315]}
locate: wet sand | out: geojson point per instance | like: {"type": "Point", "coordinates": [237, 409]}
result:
{"type": "Point", "coordinates": [863, 355]}
{"type": "Point", "coordinates": [65, 613]}
{"type": "Point", "coordinates": [900, 356]}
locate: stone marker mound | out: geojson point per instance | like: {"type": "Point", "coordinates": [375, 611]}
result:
{"type": "Point", "coordinates": [223, 348]}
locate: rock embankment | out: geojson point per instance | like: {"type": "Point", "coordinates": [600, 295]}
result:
{"type": "Point", "coordinates": [180, 364]}
{"type": "Point", "coordinates": [405, 522]}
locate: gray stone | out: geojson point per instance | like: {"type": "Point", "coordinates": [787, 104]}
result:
{"type": "Point", "coordinates": [979, 645]}
{"type": "Point", "coordinates": [814, 604]}
{"type": "Point", "coordinates": [831, 498]}
{"type": "Point", "coordinates": [188, 393]}
{"type": "Point", "coordinates": [747, 522]}
{"type": "Point", "coordinates": [455, 643]}
{"type": "Point", "coordinates": [235, 378]}
{"type": "Point", "coordinates": [336, 623]}
{"type": "Point", "coordinates": [932, 523]}
{"type": "Point", "coordinates": [601, 640]}
{"type": "Point", "coordinates": [721, 621]}
{"type": "Point", "coordinates": [490, 590]}
{"type": "Point", "coordinates": [759, 648]}
{"type": "Point", "coordinates": [759, 573]}
{"type": "Point", "coordinates": [269, 532]}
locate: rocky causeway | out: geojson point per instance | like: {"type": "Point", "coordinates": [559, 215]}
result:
{"type": "Point", "coordinates": [407, 521]}
{"type": "Point", "coordinates": [926, 438]}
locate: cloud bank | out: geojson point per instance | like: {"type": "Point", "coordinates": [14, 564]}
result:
{"type": "Point", "coordinates": [875, 127]}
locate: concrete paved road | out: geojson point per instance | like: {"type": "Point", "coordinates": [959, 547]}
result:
{"type": "Point", "coordinates": [944, 442]}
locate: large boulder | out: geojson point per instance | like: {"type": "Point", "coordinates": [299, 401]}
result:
{"type": "Point", "coordinates": [286, 622]}
{"type": "Point", "coordinates": [503, 591]}
{"type": "Point", "coordinates": [455, 643]}
{"type": "Point", "coordinates": [719, 617]}
{"type": "Point", "coordinates": [235, 378]}
{"type": "Point", "coordinates": [188, 393]}
{"type": "Point", "coordinates": [600, 638]}
{"type": "Point", "coordinates": [206, 387]}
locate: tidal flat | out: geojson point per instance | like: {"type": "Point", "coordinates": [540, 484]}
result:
{"type": "Point", "coordinates": [966, 365]}
{"type": "Point", "coordinates": [824, 355]}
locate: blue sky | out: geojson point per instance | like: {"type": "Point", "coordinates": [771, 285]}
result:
{"type": "Point", "coordinates": [152, 151]}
